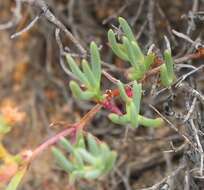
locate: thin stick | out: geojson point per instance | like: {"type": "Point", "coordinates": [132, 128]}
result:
{"type": "Point", "coordinates": [185, 37]}
{"type": "Point", "coordinates": [110, 77]}
{"type": "Point", "coordinates": [61, 50]}
{"type": "Point", "coordinates": [190, 110]}
{"type": "Point", "coordinates": [15, 19]}
{"type": "Point", "coordinates": [151, 21]}
{"type": "Point", "coordinates": [182, 78]}
{"type": "Point", "coordinates": [25, 29]}
{"type": "Point", "coordinates": [194, 92]}
{"type": "Point", "coordinates": [56, 22]}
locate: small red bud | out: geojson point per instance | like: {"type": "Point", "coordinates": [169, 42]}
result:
{"type": "Point", "coordinates": [111, 107]}
{"type": "Point", "coordinates": [128, 91]}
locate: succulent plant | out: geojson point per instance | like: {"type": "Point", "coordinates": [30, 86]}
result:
{"type": "Point", "coordinates": [90, 76]}
{"type": "Point", "coordinates": [129, 50]}
{"type": "Point", "coordinates": [85, 161]}
{"type": "Point", "coordinates": [132, 105]}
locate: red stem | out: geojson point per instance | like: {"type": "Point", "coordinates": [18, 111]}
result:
{"type": "Point", "coordinates": [65, 132]}
{"type": "Point", "coordinates": [52, 141]}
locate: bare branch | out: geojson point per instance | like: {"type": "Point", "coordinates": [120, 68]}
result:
{"type": "Point", "coordinates": [30, 25]}
{"type": "Point", "coordinates": [51, 18]}
{"type": "Point", "coordinates": [15, 18]}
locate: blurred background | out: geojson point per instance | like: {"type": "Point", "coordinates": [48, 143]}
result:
{"type": "Point", "coordinates": [32, 80]}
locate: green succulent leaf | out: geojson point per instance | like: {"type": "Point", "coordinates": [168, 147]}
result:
{"type": "Point", "coordinates": [16, 180]}
{"type": "Point", "coordinates": [148, 60]}
{"type": "Point", "coordinates": [111, 159]}
{"type": "Point", "coordinates": [75, 69]}
{"type": "Point", "coordinates": [126, 29]}
{"type": "Point", "coordinates": [78, 160]}
{"type": "Point", "coordinates": [131, 38]}
{"type": "Point", "coordinates": [117, 49]}
{"type": "Point", "coordinates": [169, 63]}
{"type": "Point", "coordinates": [78, 174]}
{"type": "Point", "coordinates": [93, 174]}
{"type": "Point", "coordinates": [85, 161]}
{"type": "Point", "coordinates": [80, 143]}
{"type": "Point", "coordinates": [148, 122]}
{"type": "Point", "coordinates": [66, 145]}
{"type": "Point", "coordinates": [134, 74]}
{"type": "Point", "coordinates": [95, 61]}
{"type": "Point", "coordinates": [132, 115]}
{"type": "Point", "coordinates": [137, 51]}
{"type": "Point", "coordinates": [166, 69]}
{"type": "Point", "coordinates": [4, 127]}
{"type": "Point", "coordinates": [87, 157]}
{"type": "Point", "coordinates": [130, 52]}
{"type": "Point", "coordinates": [123, 94]}
{"type": "Point", "coordinates": [121, 120]}
{"type": "Point", "coordinates": [62, 160]}
{"type": "Point", "coordinates": [92, 144]}
{"type": "Point", "coordinates": [89, 74]}
{"type": "Point", "coordinates": [78, 93]}
{"type": "Point", "coordinates": [137, 95]}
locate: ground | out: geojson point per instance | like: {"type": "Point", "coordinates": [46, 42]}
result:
{"type": "Point", "coordinates": [31, 78]}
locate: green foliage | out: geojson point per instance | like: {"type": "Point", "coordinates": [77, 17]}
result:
{"type": "Point", "coordinates": [90, 76]}
{"type": "Point", "coordinates": [130, 51]}
{"type": "Point", "coordinates": [88, 158]}
{"type": "Point", "coordinates": [4, 127]}
{"type": "Point", "coordinates": [166, 69]}
{"type": "Point", "coordinates": [87, 162]}
{"type": "Point", "coordinates": [132, 115]}
{"type": "Point", "coordinates": [16, 179]}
